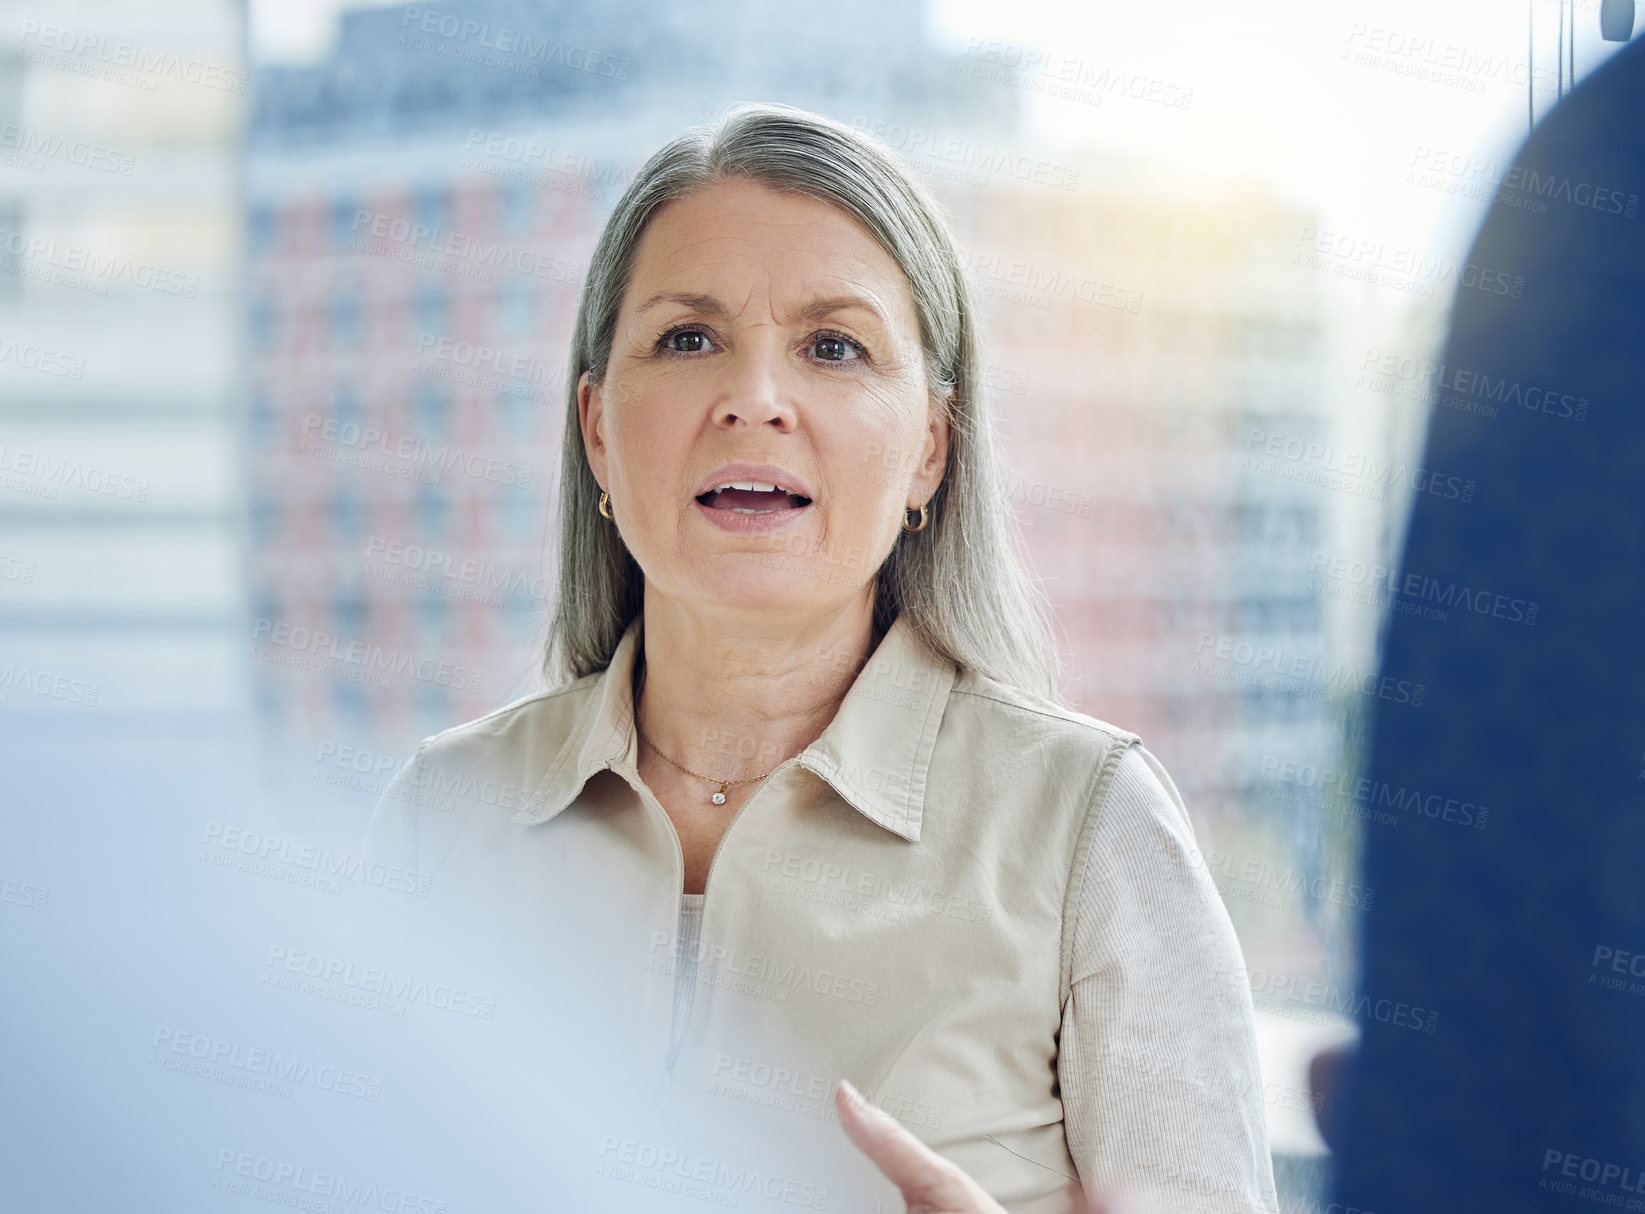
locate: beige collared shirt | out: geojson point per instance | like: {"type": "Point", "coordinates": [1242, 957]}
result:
{"type": "Point", "coordinates": [984, 910]}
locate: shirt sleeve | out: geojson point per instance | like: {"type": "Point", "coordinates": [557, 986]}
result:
{"type": "Point", "coordinates": [1157, 1064]}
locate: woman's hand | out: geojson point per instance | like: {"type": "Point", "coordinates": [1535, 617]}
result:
{"type": "Point", "coordinates": [929, 1183]}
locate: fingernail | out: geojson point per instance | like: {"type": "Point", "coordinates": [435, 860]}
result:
{"type": "Point", "coordinates": [852, 1096]}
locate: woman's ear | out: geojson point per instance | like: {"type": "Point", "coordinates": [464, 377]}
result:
{"type": "Point", "coordinates": [591, 420]}
{"type": "Point", "coordinates": [934, 461]}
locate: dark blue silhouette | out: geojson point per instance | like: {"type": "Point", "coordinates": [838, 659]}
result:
{"type": "Point", "coordinates": [1527, 934]}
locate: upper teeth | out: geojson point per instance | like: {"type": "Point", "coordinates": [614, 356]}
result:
{"type": "Point", "coordinates": [757, 486]}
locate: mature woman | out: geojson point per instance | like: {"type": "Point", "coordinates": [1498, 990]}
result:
{"type": "Point", "coordinates": [804, 771]}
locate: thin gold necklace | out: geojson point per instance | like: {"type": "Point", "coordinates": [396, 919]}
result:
{"type": "Point", "coordinates": [719, 797]}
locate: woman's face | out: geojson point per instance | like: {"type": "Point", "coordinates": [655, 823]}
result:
{"type": "Point", "coordinates": [765, 338]}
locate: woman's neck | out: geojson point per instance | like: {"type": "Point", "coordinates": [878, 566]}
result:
{"type": "Point", "coordinates": [729, 704]}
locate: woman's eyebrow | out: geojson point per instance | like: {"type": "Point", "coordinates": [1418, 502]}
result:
{"type": "Point", "coordinates": [709, 305]}
{"type": "Point", "coordinates": [819, 308]}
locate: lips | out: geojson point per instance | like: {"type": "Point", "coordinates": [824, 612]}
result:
{"type": "Point", "coordinates": [752, 497]}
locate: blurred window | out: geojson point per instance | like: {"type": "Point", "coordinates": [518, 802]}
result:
{"type": "Point", "coordinates": [430, 408]}
{"type": "Point", "coordinates": [353, 703]}
{"type": "Point", "coordinates": [262, 227]}
{"type": "Point", "coordinates": [347, 513]}
{"type": "Point", "coordinates": [265, 519]}
{"type": "Point", "coordinates": [345, 322]}
{"type": "Point", "coordinates": [348, 611]}
{"type": "Point", "coordinates": [429, 309]}
{"type": "Point", "coordinates": [260, 325]}
{"type": "Point", "coordinates": [516, 306]}
{"type": "Point", "coordinates": [429, 209]}
{"type": "Point", "coordinates": [516, 208]}
{"type": "Point", "coordinates": [431, 511]}
{"type": "Point", "coordinates": [433, 708]}
{"type": "Point", "coordinates": [345, 218]}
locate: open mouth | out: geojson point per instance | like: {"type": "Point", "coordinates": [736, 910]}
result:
{"type": "Point", "coordinates": [752, 497]}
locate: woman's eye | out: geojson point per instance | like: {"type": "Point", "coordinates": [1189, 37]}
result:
{"type": "Point", "coordinates": [833, 349]}
{"type": "Point", "coordinates": [687, 341]}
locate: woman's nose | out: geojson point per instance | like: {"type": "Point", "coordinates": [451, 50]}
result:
{"type": "Point", "coordinates": [756, 390]}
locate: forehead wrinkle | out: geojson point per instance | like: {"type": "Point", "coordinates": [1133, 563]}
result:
{"type": "Point", "coordinates": [832, 232]}
{"type": "Point", "coordinates": [860, 275]}
{"type": "Point", "coordinates": [840, 294]}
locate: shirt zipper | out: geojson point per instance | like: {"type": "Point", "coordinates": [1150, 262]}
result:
{"type": "Point", "coordinates": [708, 877]}
{"type": "Point", "coordinates": [702, 914]}
{"type": "Point", "coordinates": [679, 851]}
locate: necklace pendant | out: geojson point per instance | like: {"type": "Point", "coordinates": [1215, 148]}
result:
{"type": "Point", "coordinates": [718, 798]}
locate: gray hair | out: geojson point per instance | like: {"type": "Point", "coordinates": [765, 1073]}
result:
{"type": "Point", "coordinates": [960, 582]}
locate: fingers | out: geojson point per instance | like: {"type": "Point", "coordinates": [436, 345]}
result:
{"type": "Point", "coordinates": [928, 1182]}
{"type": "Point", "coordinates": [1082, 1201]}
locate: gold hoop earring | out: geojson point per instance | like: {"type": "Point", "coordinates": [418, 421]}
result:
{"type": "Point", "coordinates": [605, 506]}
{"type": "Point", "coordinates": [923, 518]}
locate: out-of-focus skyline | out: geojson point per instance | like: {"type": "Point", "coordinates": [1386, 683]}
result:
{"type": "Point", "coordinates": [1337, 106]}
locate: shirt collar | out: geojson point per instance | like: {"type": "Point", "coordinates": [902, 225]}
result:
{"type": "Point", "coordinates": [875, 753]}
